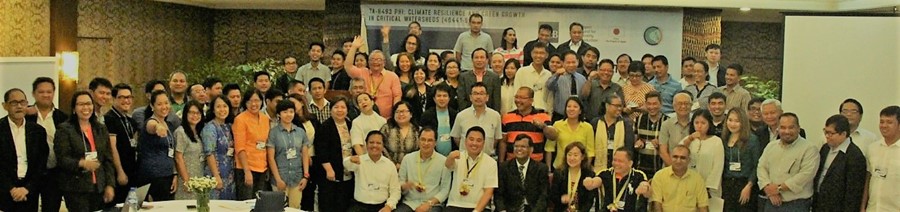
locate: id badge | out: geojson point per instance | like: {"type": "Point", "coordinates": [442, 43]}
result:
{"type": "Point", "coordinates": [260, 145]}
{"type": "Point", "coordinates": [133, 142]}
{"type": "Point", "coordinates": [372, 187]}
{"type": "Point", "coordinates": [620, 205]}
{"type": "Point", "coordinates": [291, 153]}
{"type": "Point", "coordinates": [171, 153]}
{"type": "Point", "coordinates": [90, 156]}
{"type": "Point", "coordinates": [734, 166]}
{"type": "Point", "coordinates": [610, 143]}
{"type": "Point", "coordinates": [445, 137]}
{"type": "Point", "coordinates": [649, 146]}
{"type": "Point", "coordinates": [230, 152]}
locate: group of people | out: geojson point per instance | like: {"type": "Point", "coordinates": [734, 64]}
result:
{"type": "Point", "coordinates": [545, 129]}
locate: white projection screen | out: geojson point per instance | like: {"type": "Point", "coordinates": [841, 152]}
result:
{"type": "Point", "coordinates": [831, 58]}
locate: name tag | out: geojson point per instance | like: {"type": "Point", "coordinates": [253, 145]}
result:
{"type": "Point", "coordinates": [610, 143]}
{"type": "Point", "coordinates": [171, 153]}
{"type": "Point", "coordinates": [260, 145]}
{"type": "Point", "coordinates": [734, 166]}
{"type": "Point", "coordinates": [372, 187]}
{"type": "Point", "coordinates": [445, 137]}
{"type": "Point", "coordinates": [230, 152]}
{"type": "Point", "coordinates": [90, 156]}
{"type": "Point", "coordinates": [620, 205]}
{"type": "Point", "coordinates": [133, 142]}
{"type": "Point", "coordinates": [291, 153]}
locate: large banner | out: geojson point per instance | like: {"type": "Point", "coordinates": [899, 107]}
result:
{"type": "Point", "coordinates": [612, 31]}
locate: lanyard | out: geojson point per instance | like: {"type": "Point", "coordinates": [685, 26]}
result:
{"type": "Point", "coordinates": [288, 137]}
{"type": "Point", "coordinates": [125, 123]}
{"type": "Point", "coordinates": [373, 88]}
{"type": "Point", "coordinates": [615, 183]}
{"type": "Point", "coordinates": [572, 183]}
{"type": "Point", "coordinates": [472, 169]}
{"type": "Point", "coordinates": [422, 179]}
{"type": "Point", "coordinates": [736, 147]}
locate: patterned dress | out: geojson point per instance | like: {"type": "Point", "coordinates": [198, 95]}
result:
{"type": "Point", "coordinates": [397, 146]}
{"type": "Point", "coordinates": [194, 162]}
{"type": "Point", "coordinates": [218, 141]}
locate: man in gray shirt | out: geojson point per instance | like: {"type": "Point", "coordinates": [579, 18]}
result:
{"type": "Point", "coordinates": [786, 169]}
{"type": "Point", "coordinates": [467, 42]}
{"type": "Point", "coordinates": [314, 69]}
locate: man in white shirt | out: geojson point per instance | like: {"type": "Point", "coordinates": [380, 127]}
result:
{"type": "Point", "coordinates": [576, 42]}
{"type": "Point", "coordinates": [424, 181]}
{"type": "Point", "coordinates": [853, 110]}
{"type": "Point", "coordinates": [473, 39]}
{"type": "Point", "coordinates": [482, 116]}
{"type": "Point", "coordinates": [535, 76]}
{"type": "Point", "coordinates": [23, 155]}
{"type": "Point", "coordinates": [787, 168]}
{"type": "Point", "coordinates": [49, 117]}
{"type": "Point", "coordinates": [883, 166]}
{"type": "Point", "coordinates": [475, 175]}
{"type": "Point", "coordinates": [377, 186]}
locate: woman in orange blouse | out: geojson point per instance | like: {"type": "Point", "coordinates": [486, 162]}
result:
{"type": "Point", "coordinates": [251, 131]}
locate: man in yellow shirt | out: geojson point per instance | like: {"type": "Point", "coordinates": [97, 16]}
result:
{"type": "Point", "coordinates": [676, 188]}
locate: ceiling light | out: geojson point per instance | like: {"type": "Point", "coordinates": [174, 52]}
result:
{"type": "Point", "coordinates": [745, 9]}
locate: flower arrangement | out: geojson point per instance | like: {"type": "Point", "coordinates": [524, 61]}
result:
{"type": "Point", "coordinates": [201, 186]}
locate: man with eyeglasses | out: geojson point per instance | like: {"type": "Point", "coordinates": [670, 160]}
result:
{"type": "Point", "coordinates": [677, 188]}
{"type": "Point", "coordinates": [289, 65]}
{"type": "Point", "coordinates": [674, 129]}
{"type": "Point", "coordinates": [853, 110]}
{"type": "Point", "coordinates": [122, 128]}
{"type": "Point", "coordinates": [23, 146]}
{"type": "Point", "coordinates": [382, 84]}
{"type": "Point", "coordinates": [525, 120]}
{"type": "Point", "coordinates": [842, 166]}
{"type": "Point", "coordinates": [883, 155]}
{"type": "Point", "coordinates": [479, 115]}
{"type": "Point", "coordinates": [523, 181]}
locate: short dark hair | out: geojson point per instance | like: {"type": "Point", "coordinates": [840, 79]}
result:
{"type": "Point", "coordinates": [575, 24]}
{"type": "Point", "coordinates": [148, 88]}
{"type": "Point", "coordinates": [120, 86]}
{"type": "Point", "coordinates": [624, 55]}
{"type": "Point", "coordinates": [526, 137]}
{"type": "Point", "coordinates": [717, 95]}
{"type": "Point", "coordinates": [637, 66]}
{"type": "Point", "coordinates": [539, 45]}
{"type": "Point", "coordinates": [317, 43]}
{"type": "Point", "coordinates": [475, 15]}
{"type": "Point", "coordinates": [851, 100]}
{"type": "Point", "coordinates": [840, 123]}
{"type": "Point", "coordinates": [792, 115]}
{"type": "Point", "coordinates": [688, 59]}
{"type": "Point", "coordinates": [39, 80]}
{"type": "Point", "coordinates": [652, 94]}
{"type": "Point", "coordinates": [257, 74]}
{"type": "Point", "coordinates": [274, 92]}
{"type": "Point", "coordinates": [339, 52]}
{"type": "Point", "coordinates": [99, 81]}
{"type": "Point", "coordinates": [661, 58]}
{"type": "Point", "coordinates": [374, 133]}
{"type": "Point", "coordinates": [892, 110]}
{"type": "Point", "coordinates": [737, 67]}
{"type": "Point", "coordinates": [428, 129]}
{"type": "Point", "coordinates": [547, 27]}
{"type": "Point", "coordinates": [706, 115]}
{"type": "Point", "coordinates": [414, 22]}
{"type": "Point", "coordinates": [191, 92]}
{"type": "Point", "coordinates": [478, 84]}
{"type": "Point", "coordinates": [713, 46]}
{"type": "Point", "coordinates": [283, 105]}
{"type": "Point", "coordinates": [295, 82]}
{"type": "Point", "coordinates": [246, 98]}
{"type": "Point", "coordinates": [209, 82]}
{"type": "Point", "coordinates": [593, 49]}
{"type": "Point", "coordinates": [607, 61]}
{"type": "Point", "coordinates": [316, 79]}
{"type": "Point", "coordinates": [760, 100]}
{"type": "Point", "coordinates": [476, 50]}
{"type": "Point", "coordinates": [229, 87]}
{"type": "Point", "coordinates": [704, 64]}
{"type": "Point", "coordinates": [476, 129]}
{"type": "Point", "coordinates": [443, 88]}
{"type": "Point", "coordinates": [628, 153]}
{"type": "Point", "coordinates": [648, 55]}
{"type": "Point", "coordinates": [9, 92]}
{"type": "Point", "coordinates": [567, 53]}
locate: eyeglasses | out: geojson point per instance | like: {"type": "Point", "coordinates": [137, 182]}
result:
{"type": "Point", "coordinates": [829, 133]}
{"type": "Point", "coordinates": [22, 103]}
{"type": "Point", "coordinates": [849, 111]}
{"type": "Point", "coordinates": [615, 105]}
{"type": "Point", "coordinates": [402, 111]}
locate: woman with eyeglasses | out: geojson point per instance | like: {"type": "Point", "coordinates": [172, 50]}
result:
{"type": "Point", "coordinates": [251, 132]}
{"type": "Point", "coordinates": [189, 148]}
{"type": "Point", "coordinates": [83, 154]}
{"type": "Point", "coordinates": [401, 134]}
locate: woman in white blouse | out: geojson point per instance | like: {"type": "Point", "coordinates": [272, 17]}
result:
{"type": "Point", "coordinates": [507, 90]}
{"type": "Point", "coordinates": [707, 151]}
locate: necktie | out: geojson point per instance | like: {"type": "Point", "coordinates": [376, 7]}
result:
{"type": "Point", "coordinates": [522, 173]}
{"type": "Point", "coordinates": [574, 90]}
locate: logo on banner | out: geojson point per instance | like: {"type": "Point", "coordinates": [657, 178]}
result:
{"type": "Point", "coordinates": [615, 35]}
{"type": "Point", "coordinates": [554, 37]}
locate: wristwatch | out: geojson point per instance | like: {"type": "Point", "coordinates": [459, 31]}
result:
{"type": "Point", "coordinates": [779, 188]}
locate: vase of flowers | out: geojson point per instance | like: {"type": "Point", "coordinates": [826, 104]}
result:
{"type": "Point", "coordinates": [201, 186]}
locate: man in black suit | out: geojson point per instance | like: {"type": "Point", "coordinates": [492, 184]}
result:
{"type": "Point", "coordinates": [840, 181]}
{"type": "Point", "coordinates": [481, 74]}
{"type": "Point", "coordinates": [515, 192]}
{"type": "Point", "coordinates": [45, 114]}
{"type": "Point", "coordinates": [433, 118]}
{"type": "Point", "coordinates": [714, 59]}
{"type": "Point", "coordinates": [576, 42]}
{"type": "Point", "coordinates": [545, 31]}
{"type": "Point", "coordinates": [23, 155]}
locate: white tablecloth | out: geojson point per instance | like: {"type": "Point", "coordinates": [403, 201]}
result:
{"type": "Point", "coordinates": [214, 205]}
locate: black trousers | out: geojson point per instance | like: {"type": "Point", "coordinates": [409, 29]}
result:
{"type": "Point", "coordinates": [731, 192]}
{"type": "Point", "coordinates": [649, 164]}
{"type": "Point", "coordinates": [51, 196]}
{"type": "Point", "coordinates": [458, 209]}
{"type": "Point", "coordinates": [316, 176]}
{"type": "Point", "coordinates": [363, 207]}
{"type": "Point", "coordinates": [244, 192]}
{"type": "Point", "coordinates": [30, 204]}
{"type": "Point", "coordinates": [160, 189]}
{"type": "Point", "coordinates": [84, 201]}
{"type": "Point", "coordinates": [335, 196]}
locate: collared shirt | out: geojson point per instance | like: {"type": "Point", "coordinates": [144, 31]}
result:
{"type": "Point", "coordinates": [561, 86]}
{"type": "Point", "coordinates": [861, 137]}
{"type": "Point", "coordinates": [49, 126]}
{"type": "Point", "coordinates": [307, 72]}
{"type": "Point", "coordinates": [483, 175]}
{"type": "Point", "coordinates": [685, 193]}
{"type": "Point", "coordinates": [736, 97]}
{"type": "Point", "coordinates": [832, 153]}
{"type": "Point", "coordinates": [429, 173]}
{"type": "Point", "coordinates": [514, 53]}
{"type": "Point", "coordinates": [620, 80]}
{"type": "Point", "coordinates": [713, 74]}
{"type": "Point", "coordinates": [249, 133]}
{"type": "Point", "coordinates": [584, 134]}
{"type": "Point", "coordinates": [636, 94]}
{"type": "Point", "coordinates": [885, 170]}
{"type": "Point", "coordinates": [575, 46]}
{"type": "Point", "coordinates": [794, 165]}
{"type": "Point", "coordinates": [468, 42]}
{"type": "Point", "coordinates": [288, 145]}
{"type": "Point", "coordinates": [684, 83]}
{"type": "Point", "coordinates": [376, 181]}
{"type": "Point", "coordinates": [362, 125]}
{"type": "Point", "coordinates": [701, 95]}
{"type": "Point", "coordinates": [489, 120]}
{"type": "Point", "coordinates": [667, 92]}
{"type": "Point", "coordinates": [708, 158]}
{"type": "Point", "coordinates": [515, 124]}
{"type": "Point", "coordinates": [671, 132]}
{"type": "Point", "coordinates": [527, 76]}
{"type": "Point", "coordinates": [322, 113]}
{"type": "Point", "coordinates": [597, 96]}
{"type": "Point", "coordinates": [18, 134]}
{"type": "Point", "coordinates": [386, 90]}
{"type": "Point", "coordinates": [647, 130]}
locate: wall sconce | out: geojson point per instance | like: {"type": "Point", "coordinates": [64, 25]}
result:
{"type": "Point", "coordinates": [68, 64]}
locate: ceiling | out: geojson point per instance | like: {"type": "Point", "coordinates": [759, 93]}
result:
{"type": "Point", "coordinates": [254, 4]}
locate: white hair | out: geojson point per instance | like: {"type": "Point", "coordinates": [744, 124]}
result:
{"type": "Point", "coordinates": [771, 101]}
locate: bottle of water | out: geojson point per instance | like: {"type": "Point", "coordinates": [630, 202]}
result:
{"type": "Point", "coordinates": [131, 203]}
